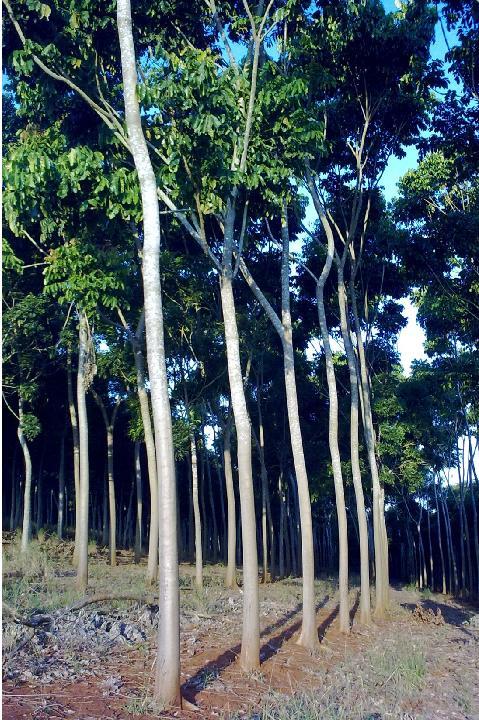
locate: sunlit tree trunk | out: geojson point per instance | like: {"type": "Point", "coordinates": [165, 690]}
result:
{"type": "Point", "coordinates": [82, 381]}
{"type": "Point", "coordinates": [139, 505]}
{"type": "Point", "coordinates": [308, 636]}
{"type": "Point", "coordinates": [27, 501]}
{"type": "Point", "coordinates": [110, 427]}
{"type": "Point", "coordinates": [429, 538]}
{"type": "Point", "coordinates": [439, 541]}
{"type": "Point", "coordinates": [76, 451]}
{"type": "Point", "coordinates": [211, 502]}
{"type": "Point", "coordinates": [152, 567]}
{"type": "Point", "coordinates": [474, 516]}
{"type": "Point", "coordinates": [196, 514]}
{"type": "Point", "coordinates": [282, 501]}
{"type": "Point", "coordinates": [230, 578]}
{"type": "Point", "coordinates": [333, 432]}
{"type": "Point", "coordinates": [379, 526]}
{"type": "Point", "coordinates": [167, 685]}
{"type": "Point", "coordinates": [250, 632]}
{"type": "Point", "coordinates": [365, 599]}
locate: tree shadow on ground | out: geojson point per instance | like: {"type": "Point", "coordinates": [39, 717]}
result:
{"type": "Point", "coordinates": [194, 685]}
{"type": "Point", "coordinates": [274, 644]}
{"type": "Point", "coordinates": [354, 609]}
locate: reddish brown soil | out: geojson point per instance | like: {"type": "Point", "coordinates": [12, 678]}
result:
{"type": "Point", "coordinates": [213, 681]}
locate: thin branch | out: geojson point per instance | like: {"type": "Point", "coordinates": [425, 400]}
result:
{"type": "Point", "coordinates": [261, 298]}
{"type": "Point", "coordinates": [9, 406]}
{"type": "Point", "coordinates": [241, 239]}
{"type": "Point", "coordinates": [66, 80]}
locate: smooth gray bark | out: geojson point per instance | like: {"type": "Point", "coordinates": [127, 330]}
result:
{"type": "Point", "coordinates": [135, 339]}
{"type": "Point", "coordinates": [109, 428]}
{"type": "Point", "coordinates": [27, 500]}
{"type": "Point", "coordinates": [196, 514]}
{"type": "Point", "coordinates": [139, 505]}
{"type": "Point", "coordinates": [250, 631]}
{"type": "Point", "coordinates": [365, 599]}
{"type": "Point", "coordinates": [379, 526]}
{"type": "Point", "coordinates": [344, 621]}
{"type": "Point", "coordinates": [167, 683]}
{"type": "Point", "coordinates": [76, 450]}
{"type": "Point", "coordinates": [230, 577]}
{"type": "Point", "coordinates": [82, 381]}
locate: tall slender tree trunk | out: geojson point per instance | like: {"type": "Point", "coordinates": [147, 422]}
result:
{"type": "Point", "coordinates": [379, 526]}
{"type": "Point", "coordinates": [230, 577]}
{"type": "Point", "coordinates": [110, 427]}
{"type": "Point", "coordinates": [281, 523]}
{"type": "Point", "coordinates": [474, 518]}
{"type": "Point", "coordinates": [365, 599]}
{"type": "Point", "coordinates": [204, 530]}
{"type": "Point", "coordinates": [127, 537]}
{"type": "Point", "coordinates": [196, 514]}
{"type": "Point", "coordinates": [264, 481]}
{"type": "Point", "coordinates": [333, 433]}
{"type": "Point", "coordinates": [454, 574]}
{"type": "Point", "coordinates": [111, 495]}
{"type": "Point", "coordinates": [250, 631]}
{"type": "Point", "coordinates": [27, 501]}
{"type": "Point", "coordinates": [214, 524]}
{"type": "Point", "coordinates": [61, 489]}
{"type": "Point", "coordinates": [76, 451]}
{"type": "Point", "coordinates": [167, 684]}
{"type": "Point", "coordinates": [439, 542]}
{"type": "Point", "coordinates": [308, 636]}
{"type": "Point", "coordinates": [429, 539]}
{"type": "Point", "coordinates": [152, 568]}
{"type": "Point", "coordinates": [139, 505]}
{"type": "Point", "coordinates": [105, 511]}
{"type": "Point", "coordinates": [83, 362]}
{"type": "Point", "coordinates": [224, 529]}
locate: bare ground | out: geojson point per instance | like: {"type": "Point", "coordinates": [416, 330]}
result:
{"type": "Point", "coordinates": [98, 662]}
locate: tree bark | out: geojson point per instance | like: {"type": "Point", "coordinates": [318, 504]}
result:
{"type": "Point", "coordinates": [76, 452]}
{"type": "Point", "coordinates": [379, 527]}
{"type": "Point", "coordinates": [167, 683]}
{"type": "Point", "coordinates": [110, 427]}
{"type": "Point", "coordinates": [365, 599]}
{"type": "Point", "coordinates": [139, 505]}
{"type": "Point", "coordinates": [282, 502]}
{"type": "Point", "coordinates": [214, 524]}
{"type": "Point", "coordinates": [196, 514]}
{"type": "Point", "coordinates": [250, 631]}
{"type": "Point", "coordinates": [333, 433]}
{"type": "Point", "coordinates": [308, 636]}
{"type": "Point", "coordinates": [27, 502]}
{"type": "Point", "coordinates": [230, 577]}
{"type": "Point", "coordinates": [152, 568]}
{"type": "Point", "coordinates": [83, 352]}
{"type": "Point", "coordinates": [439, 541]}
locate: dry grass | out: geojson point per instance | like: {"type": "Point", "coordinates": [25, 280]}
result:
{"type": "Point", "coordinates": [372, 687]}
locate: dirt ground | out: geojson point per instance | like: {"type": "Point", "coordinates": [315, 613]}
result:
{"type": "Point", "coordinates": [422, 661]}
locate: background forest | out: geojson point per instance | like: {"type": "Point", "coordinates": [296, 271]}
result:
{"type": "Point", "coordinates": [203, 288]}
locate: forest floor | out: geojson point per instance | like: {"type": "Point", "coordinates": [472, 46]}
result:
{"type": "Point", "coordinates": [422, 661]}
